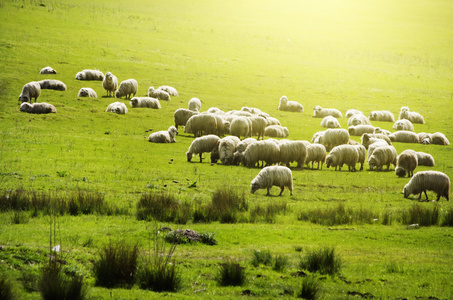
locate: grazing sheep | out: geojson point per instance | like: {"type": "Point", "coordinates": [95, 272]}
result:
{"type": "Point", "coordinates": [127, 88]}
{"type": "Point", "coordinates": [330, 122]}
{"type": "Point", "coordinates": [358, 119]}
{"type": "Point", "coordinates": [240, 149]}
{"type": "Point", "coordinates": [164, 136]}
{"type": "Point", "coordinates": [87, 92]}
{"type": "Point", "coordinates": [319, 112]}
{"type": "Point", "coordinates": [406, 163]}
{"type": "Point", "coordinates": [350, 112]}
{"type": "Point", "coordinates": [158, 94]}
{"type": "Point", "coordinates": [201, 124]}
{"type": "Point", "coordinates": [436, 138]}
{"type": "Point", "coordinates": [110, 84]}
{"type": "Point", "coordinates": [287, 105]}
{"type": "Point", "coordinates": [117, 107]}
{"type": "Point", "coordinates": [182, 115]}
{"type": "Point", "coordinates": [368, 139]}
{"type": "Point", "coordinates": [413, 117]}
{"type": "Point", "coordinates": [146, 102]}
{"type": "Point", "coordinates": [37, 108]}
{"type": "Point", "coordinates": [169, 89]}
{"type": "Point", "coordinates": [362, 155]}
{"type": "Point", "coordinates": [241, 126]}
{"type": "Point", "coordinates": [273, 176]}
{"type": "Point", "coordinates": [404, 136]}
{"type": "Point", "coordinates": [227, 147]}
{"type": "Point", "coordinates": [382, 155]}
{"type": "Point", "coordinates": [215, 155]}
{"type": "Point", "coordinates": [52, 84]}
{"type": "Point", "coordinates": [425, 159]}
{"type": "Point", "coordinates": [359, 130]}
{"type": "Point", "coordinates": [90, 75]}
{"type": "Point", "coordinates": [201, 145]}
{"type": "Point", "coordinates": [291, 151]}
{"type": "Point", "coordinates": [343, 154]}
{"type": "Point", "coordinates": [374, 145]}
{"type": "Point", "coordinates": [381, 131]}
{"type": "Point", "coordinates": [47, 70]}
{"type": "Point", "coordinates": [333, 137]}
{"type": "Point", "coordinates": [435, 181]}
{"type": "Point", "coordinates": [403, 125]}
{"type": "Point", "coordinates": [259, 125]}
{"type": "Point", "coordinates": [276, 131]}
{"type": "Point", "coordinates": [266, 151]}
{"type": "Point", "coordinates": [195, 105]}
{"type": "Point", "coordinates": [381, 115]}
{"type": "Point", "coordinates": [315, 153]}
{"type": "Point", "coordinates": [29, 91]}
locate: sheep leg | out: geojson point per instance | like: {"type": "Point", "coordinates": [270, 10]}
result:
{"type": "Point", "coordinates": [201, 158]}
{"type": "Point", "coordinates": [281, 190]}
{"type": "Point", "coordinates": [426, 195]}
{"type": "Point", "coordinates": [361, 166]}
{"type": "Point", "coordinates": [268, 193]}
{"type": "Point", "coordinates": [438, 197]}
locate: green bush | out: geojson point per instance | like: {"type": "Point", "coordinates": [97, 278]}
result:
{"type": "Point", "coordinates": [322, 260]}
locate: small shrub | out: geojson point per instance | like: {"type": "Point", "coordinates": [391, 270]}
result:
{"type": "Point", "coordinates": [54, 284]}
{"type": "Point", "coordinates": [323, 260]}
{"type": "Point", "coordinates": [424, 216]}
{"type": "Point", "coordinates": [7, 290]}
{"type": "Point", "coordinates": [280, 263]}
{"type": "Point", "coordinates": [448, 219]}
{"type": "Point", "coordinates": [231, 274]}
{"type": "Point", "coordinates": [261, 258]}
{"type": "Point", "coordinates": [310, 288]}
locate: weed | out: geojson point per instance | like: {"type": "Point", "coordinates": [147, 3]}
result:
{"type": "Point", "coordinates": [310, 288]}
{"type": "Point", "coordinates": [322, 260]}
{"type": "Point", "coordinates": [54, 284]}
{"type": "Point", "coordinates": [261, 258]}
{"type": "Point", "coordinates": [280, 263]}
{"type": "Point", "coordinates": [417, 214]}
{"type": "Point", "coordinates": [7, 290]}
{"type": "Point", "coordinates": [231, 274]}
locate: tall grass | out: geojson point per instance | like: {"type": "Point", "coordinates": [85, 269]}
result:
{"type": "Point", "coordinates": [163, 207]}
{"type": "Point", "coordinates": [309, 288]}
{"type": "Point", "coordinates": [323, 260]}
{"type": "Point", "coordinates": [7, 289]}
{"type": "Point", "coordinates": [423, 216]}
{"type": "Point", "coordinates": [231, 274]}
{"type": "Point", "coordinates": [54, 284]}
{"type": "Point", "coordinates": [339, 215]}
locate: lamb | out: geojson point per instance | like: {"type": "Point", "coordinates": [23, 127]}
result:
{"type": "Point", "coordinates": [227, 147]}
{"type": "Point", "coordinates": [330, 122]}
{"type": "Point", "coordinates": [47, 70]}
{"type": "Point", "coordinates": [315, 153]}
{"type": "Point", "coordinates": [164, 136]}
{"type": "Point", "coordinates": [362, 155]}
{"type": "Point", "coordinates": [146, 102]}
{"type": "Point", "coordinates": [266, 151]}
{"type": "Point", "coordinates": [241, 126]}
{"type": "Point", "coordinates": [259, 125]}
{"type": "Point", "coordinates": [368, 139]}
{"type": "Point", "coordinates": [201, 145]}
{"type": "Point", "coordinates": [436, 138]}
{"type": "Point", "coordinates": [435, 181]}
{"type": "Point", "coordinates": [29, 91]}
{"type": "Point", "coordinates": [350, 112]}
{"type": "Point", "coordinates": [127, 88]}
{"type": "Point", "coordinates": [182, 115]}
{"type": "Point", "coordinates": [403, 125]}
{"type": "Point", "coordinates": [320, 112]}
{"type": "Point", "coordinates": [159, 94]}
{"type": "Point", "coordinates": [406, 163]}
{"type": "Point", "coordinates": [90, 75]}
{"type": "Point", "coordinates": [37, 108]}
{"type": "Point", "coordinates": [169, 89]}
{"type": "Point", "coordinates": [343, 154]}
{"type": "Point", "coordinates": [381, 115]}
{"type": "Point", "coordinates": [382, 131]}
{"type": "Point", "coordinates": [404, 136]}
{"type": "Point", "coordinates": [359, 130]}
{"type": "Point", "coordinates": [425, 159]}
{"type": "Point", "coordinates": [293, 151]}
{"type": "Point", "coordinates": [358, 119]}
{"type": "Point", "coordinates": [87, 92]}
{"type": "Point", "coordinates": [195, 104]}
{"type": "Point", "coordinates": [334, 137]}
{"type": "Point", "coordinates": [110, 84]}
{"type": "Point", "coordinates": [287, 105]}
{"type": "Point", "coordinates": [200, 124]}
{"type": "Point", "coordinates": [117, 107]}
{"type": "Point", "coordinates": [382, 155]}
{"type": "Point", "coordinates": [413, 117]}
{"type": "Point", "coordinates": [276, 131]}
{"type": "Point", "coordinates": [240, 149]}
{"type": "Point", "coordinates": [273, 176]}
{"type": "Point", "coordinates": [52, 84]}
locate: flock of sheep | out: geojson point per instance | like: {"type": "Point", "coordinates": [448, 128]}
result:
{"type": "Point", "coordinates": [331, 146]}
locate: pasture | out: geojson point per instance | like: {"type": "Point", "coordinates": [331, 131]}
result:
{"type": "Point", "coordinates": [367, 55]}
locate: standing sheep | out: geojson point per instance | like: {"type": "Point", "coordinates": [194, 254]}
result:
{"type": "Point", "coordinates": [333, 137]}
{"type": "Point", "coordinates": [37, 108]}
{"type": "Point", "coordinates": [413, 117]}
{"type": "Point", "coordinates": [52, 84]}
{"type": "Point", "coordinates": [343, 154]}
{"type": "Point", "coordinates": [127, 88]}
{"type": "Point", "coordinates": [381, 115]}
{"type": "Point", "coordinates": [182, 115]}
{"type": "Point", "coordinates": [293, 151]}
{"type": "Point", "coordinates": [359, 130]}
{"type": "Point", "coordinates": [266, 151]}
{"type": "Point", "coordinates": [110, 84]}
{"type": "Point", "coordinates": [164, 136]}
{"type": "Point", "coordinates": [330, 122]}
{"type": "Point", "coordinates": [201, 145]}
{"type": "Point", "coordinates": [259, 125]}
{"type": "Point", "coordinates": [404, 136]}
{"type": "Point", "coordinates": [29, 91]}
{"type": "Point", "coordinates": [117, 107]}
{"type": "Point", "coordinates": [169, 89]}
{"type": "Point", "coordinates": [87, 92]}
{"type": "Point", "coordinates": [425, 159]}
{"type": "Point", "coordinates": [358, 119]}
{"type": "Point", "coordinates": [241, 126]}
{"type": "Point", "coordinates": [227, 147]}
{"type": "Point", "coordinates": [273, 176]}
{"type": "Point", "coordinates": [90, 75]}
{"type": "Point", "coordinates": [47, 70]}
{"type": "Point", "coordinates": [287, 105]}
{"type": "Point", "coordinates": [146, 102]}
{"type": "Point", "coordinates": [362, 155]}
{"type": "Point", "coordinates": [158, 94]}
{"type": "Point", "coordinates": [240, 149]}
{"type": "Point", "coordinates": [435, 181]}
{"type": "Point", "coordinates": [195, 104]}
{"type": "Point", "coordinates": [200, 124]}
{"type": "Point", "coordinates": [315, 153]}
{"type": "Point", "coordinates": [403, 125]}
{"type": "Point", "coordinates": [383, 155]}
{"type": "Point", "coordinates": [276, 131]}
{"type": "Point", "coordinates": [406, 163]}
{"type": "Point", "coordinates": [319, 112]}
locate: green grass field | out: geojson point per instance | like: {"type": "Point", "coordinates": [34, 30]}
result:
{"type": "Point", "coordinates": [367, 55]}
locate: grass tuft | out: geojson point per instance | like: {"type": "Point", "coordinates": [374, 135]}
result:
{"type": "Point", "coordinates": [55, 284]}
{"type": "Point", "coordinates": [231, 274]}
{"type": "Point", "coordinates": [261, 258]}
{"type": "Point", "coordinates": [448, 219]}
{"type": "Point", "coordinates": [7, 290]}
{"type": "Point", "coordinates": [309, 288]}
{"type": "Point", "coordinates": [339, 215]}
{"type": "Point", "coordinates": [423, 216]}
{"type": "Point", "coordinates": [322, 260]}
{"type": "Point", "coordinates": [163, 207]}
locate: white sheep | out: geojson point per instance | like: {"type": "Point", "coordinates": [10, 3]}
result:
{"type": "Point", "coordinates": [350, 112]}
{"type": "Point", "coordinates": [158, 94]}
{"type": "Point", "coordinates": [241, 126]}
{"type": "Point", "coordinates": [253, 111]}
{"type": "Point", "coordinates": [87, 92]}
{"type": "Point", "coordinates": [287, 105]}
{"type": "Point", "coordinates": [240, 149]}
{"type": "Point", "coordinates": [381, 115]}
{"type": "Point", "coordinates": [317, 136]}
{"type": "Point", "coordinates": [276, 131]}
{"type": "Point", "coordinates": [223, 126]}
{"type": "Point", "coordinates": [110, 84]}
{"type": "Point", "coordinates": [362, 155]}
{"type": "Point", "coordinates": [146, 102]}
{"type": "Point", "coordinates": [37, 108]}
{"type": "Point", "coordinates": [273, 176]}
{"type": "Point", "coordinates": [368, 138]}
{"type": "Point", "coordinates": [435, 181]}
{"type": "Point", "coordinates": [201, 145]}
{"type": "Point", "coordinates": [374, 145]}
{"type": "Point", "coordinates": [404, 136]}
{"type": "Point", "coordinates": [382, 155]}
{"type": "Point", "coordinates": [319, 112]}
{"type": "Point", "coordinates": [266, 151]}
{"type": "Point", "coordinates": [359, 130]}
{"type": "Point", "coordinates": [127, 88]}
{"type": "Point", "coordinates": [406, 163]}
{"type": "Point", "coordinates": [47, 70]}
{"type": "Point", "coordinates": [315, 153]}
{"type": "Point", "coordinates": [195, 105]}
{"type": "Point", "coordinates": [201, 124]}
{"type": "Point", "coordinates": [117, 107]}
{"type": "Point", "coordinates": [343, 154]}
{"type": "Point", "coordinates": [272, 121]}
{"type": "Point", "coordinates": [403, 125]}
{"type": "Point", "coordinates": [164, 136]}
{"type": "Point", "coordinates": [330, 122]}
{"type": "Point", "coordinates": [425, 159]}
{"type": "Point", "coordinates": [436, 138]}
{"type": "Point", "coordinates": [259, 125]}
{"type": "Point", "coordinates": [293, 151]}
{"type": "Point", "coordinates": [169, 89]}
{"type": "Point", "coordinates": [52, 84]}
{"type": "Point", "coordinates": [414, 117]}
{"type": "Point", "coordinates": [29, 91]}
{"type": "Point", "coordinates": [227, 147]}
{"type": "Point", "coordinates": [181, 116]}
{"type": "Point", "coordinates": [333, 137]}
{"type": "Point", "coordinates": [358, 119]}
{"type": "Point", "coordinates": [382, 131]}
{"type": "Point", "coordinates": [90, 75]}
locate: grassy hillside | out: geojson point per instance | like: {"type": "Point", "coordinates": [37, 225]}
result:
{"type": "Point", "coordinates": [371, 55]}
